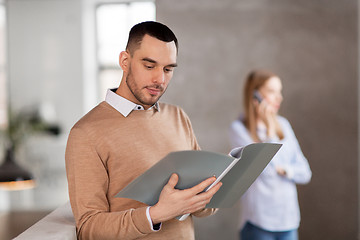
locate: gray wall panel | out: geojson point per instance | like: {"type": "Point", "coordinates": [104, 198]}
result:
{"type": "Point", "coordinates": [313, 46]}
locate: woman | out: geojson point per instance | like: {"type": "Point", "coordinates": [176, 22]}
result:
{"type": "Point", "coordinates": [269, 208]}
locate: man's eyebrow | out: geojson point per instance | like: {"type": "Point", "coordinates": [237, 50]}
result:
{"type": "Point", "coordinates": [172, 65]}
{"type": "Point", "coordinates": [153, 61]}
{"type": "Point", "coordinates": [148, 60]}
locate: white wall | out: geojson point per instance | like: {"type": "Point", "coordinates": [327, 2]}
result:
{"type": "Point", "coordinates": [45, 55]}
{"type": "Point", "coordinates": [45, 65]}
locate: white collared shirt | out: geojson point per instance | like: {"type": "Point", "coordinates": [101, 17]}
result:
{"type": "Point", "coordinates": [122, 105]}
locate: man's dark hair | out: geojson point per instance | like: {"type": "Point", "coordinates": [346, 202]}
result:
{"type": "Point", "coordinates": [153, 29]}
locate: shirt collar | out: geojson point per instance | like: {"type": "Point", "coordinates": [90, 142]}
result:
{"type": "Point", "coordinates": [122, 105]}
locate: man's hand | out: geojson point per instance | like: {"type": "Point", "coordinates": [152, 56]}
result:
{"type": "Point", "coordinates": [173, 202]}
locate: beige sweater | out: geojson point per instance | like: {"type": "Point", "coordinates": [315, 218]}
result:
{"type": "Point", "coordinates": [105, 152]}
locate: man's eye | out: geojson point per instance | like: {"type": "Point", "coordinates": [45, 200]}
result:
{"type": "Point", "coordinates": [168, 69]}
{"type": "Point", "coordinates": [149, 67]}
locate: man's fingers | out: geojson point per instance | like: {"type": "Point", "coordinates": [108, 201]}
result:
{"type": "Point", "coordinates": [173, 180]}
{"type": "Point", "coordinates": [205, 197]}
{"type": "Point", "coordinates": [214, 189]}
{"type": "Point", "coordinates": [201, 186]}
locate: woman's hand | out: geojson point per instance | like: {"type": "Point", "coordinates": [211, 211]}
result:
{"type": "Point", "coordinates": [281, 171]}
{"type": "Point", "coordinates": [267, 115]}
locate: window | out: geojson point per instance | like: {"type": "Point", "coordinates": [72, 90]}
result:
{"type": "Point", "coordinates": [3, 88]}
{"type": "Point", "coordinates": [113, 23]}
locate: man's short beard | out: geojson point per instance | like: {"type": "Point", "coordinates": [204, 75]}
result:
{"type": "Point", "coordinates": [130, 82]}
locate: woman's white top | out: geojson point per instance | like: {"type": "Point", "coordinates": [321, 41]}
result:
{"type": "Point", "coordinates": [271, 202]}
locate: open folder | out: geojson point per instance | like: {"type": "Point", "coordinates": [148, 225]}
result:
{"type": "Point", "coordinates": [237, 171]}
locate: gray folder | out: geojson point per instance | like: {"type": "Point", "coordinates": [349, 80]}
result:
{"type": "Point", "coordinates": [195, 166]}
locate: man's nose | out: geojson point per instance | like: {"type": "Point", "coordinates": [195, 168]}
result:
{"type": "Point", "coordinates": [159, 76]}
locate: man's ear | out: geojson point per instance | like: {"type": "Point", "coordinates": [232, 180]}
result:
{"type": "Point", "coordinates": [124, 60]}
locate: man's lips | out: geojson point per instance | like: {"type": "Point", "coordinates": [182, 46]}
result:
{"type": "Point", "coordinates": [154, 91]}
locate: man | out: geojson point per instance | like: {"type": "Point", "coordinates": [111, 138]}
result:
{"type": "Point", "coordinates": [124, 136]}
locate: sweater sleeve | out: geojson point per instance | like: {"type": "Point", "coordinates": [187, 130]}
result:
{"type": "Point", "coordinates": [187, 126]}
{"type": "Point", "coordinates": [88, 185]}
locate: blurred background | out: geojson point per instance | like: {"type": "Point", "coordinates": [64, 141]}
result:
{"type": "Point", "coordinates": [58, 57]}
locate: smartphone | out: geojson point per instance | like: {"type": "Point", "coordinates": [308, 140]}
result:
{"type": "Point", "coordinates": [257, 96]}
